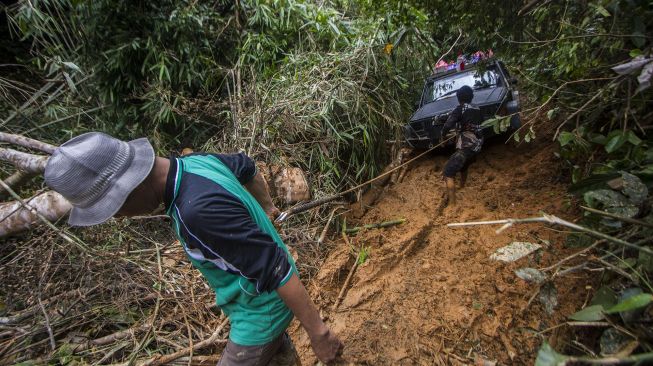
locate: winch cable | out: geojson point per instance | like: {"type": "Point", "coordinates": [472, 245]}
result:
{"type": "Point", "coordinates": [309, 205]}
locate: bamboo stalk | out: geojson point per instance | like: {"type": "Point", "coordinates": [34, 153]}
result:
{"type": "Point", "coordinates": [350, 275]}
{"type": "Point", "coordinates": [111, 338]}
{"type": "Point", "coordinates": [213, 339]}
{"type": "Point", "coordinates": [320, 240]}
{"type": "Point", "coordinates": [551, 219]}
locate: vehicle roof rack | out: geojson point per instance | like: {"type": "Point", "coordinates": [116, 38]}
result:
{"type": "Point", "coordinates": [444, 68]}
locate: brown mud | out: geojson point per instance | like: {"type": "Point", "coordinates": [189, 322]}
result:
{"type": "Point", "coordinates": [428, 294]}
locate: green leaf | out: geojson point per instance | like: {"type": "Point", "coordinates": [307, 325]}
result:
{"type": "Point", "coordinates": [547, 356]}
{"type": "Point", "coordinates": [70, 82]}
{"type": "Point", "coordinates": [589, 314]}
{"type": "Point", "coordinates": [605, 297]}
{"type": "Point", "coordinates": [566, 137]}
{"type": "Point", "coordinates": [597, 138]}
{"type": "Point", "coordinates": [72, 66]}
{"type": "Point", "coordinates": [633, 139]}
{"type": "Point", "coordinates": [551, 113]}
{"type": "Point", "coordinates": [615, 142]}
{"type": "Point", "coordinates": [631, 303]}
{"type": "Point", "coordinates": [603, 11]}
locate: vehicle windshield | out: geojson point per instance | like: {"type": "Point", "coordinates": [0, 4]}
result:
{"type": "Point", "coordinates": [441, 88]}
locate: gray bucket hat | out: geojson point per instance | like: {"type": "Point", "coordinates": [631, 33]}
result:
{"type": "Point", "coordinates": [96, 173]}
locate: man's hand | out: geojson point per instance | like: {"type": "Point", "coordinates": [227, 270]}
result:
{"type": "Point", "coordinates": [327, 346]}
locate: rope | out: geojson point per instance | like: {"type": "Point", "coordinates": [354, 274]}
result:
{"type": "Point", "coordinates": [309, 205]}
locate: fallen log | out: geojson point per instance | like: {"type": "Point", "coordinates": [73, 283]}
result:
{"type": "Point", "coordinates": [15, 217]}
{"type": "Point", "coordinates": [29, 163]}
{"type": "Point", "coordinates": [26, 142]}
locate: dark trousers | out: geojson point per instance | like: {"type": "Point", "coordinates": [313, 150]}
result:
{"type": "Point", "coordinates": [279, 352]}
{"type": "Point", "coordinates": [459, 161]}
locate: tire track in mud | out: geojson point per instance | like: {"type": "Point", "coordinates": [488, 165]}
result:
{"type": "Point", "coordinates": [429, 294]}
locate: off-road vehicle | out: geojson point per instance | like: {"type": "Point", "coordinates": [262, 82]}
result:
{"type": "Point", "coordinates": [494, 93]}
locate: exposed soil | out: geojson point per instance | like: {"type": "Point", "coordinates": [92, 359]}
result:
{"type": "Point", "coordinates": [428, 294]}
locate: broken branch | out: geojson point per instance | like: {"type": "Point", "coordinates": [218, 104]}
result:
{"type": "Point", "coordinates": [350, 275]}
{"type": "Point", "coordinates": [551, 219]}
{"type": "Point", "coordinates": [16, 180]}
{"type": "Point", "coordinates": [27, 162]}
{"type": "Point", "coordinates": [213, 339]}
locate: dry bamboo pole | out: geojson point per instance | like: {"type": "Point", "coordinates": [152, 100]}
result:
{"type": "Point", "coordinates": [551, 219]}
{"type": "Point", "coordinates": [350, 275]}
{"type": "Point", "coordinates": [320, 240]}
{"type": "Point", "coordinates": [213, 339]}
{"type": "Point", "coordinates": [617, 217]}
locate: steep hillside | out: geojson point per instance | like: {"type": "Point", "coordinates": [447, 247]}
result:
{"type": "Point", "coordinates": [428, 294]}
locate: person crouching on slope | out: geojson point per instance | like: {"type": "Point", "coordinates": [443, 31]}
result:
{"type": "Point", "coordinates": [466, 120]}
{"type": "Point", "coordinates": [219, 206]}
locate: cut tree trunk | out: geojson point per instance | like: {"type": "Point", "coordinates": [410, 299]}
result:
{"type": "Point", "coordinates": [14, 217]}
{"type": "Point", "coordinates": [26, 142]}
{"type": "Point", "coordinates": [29, 163]}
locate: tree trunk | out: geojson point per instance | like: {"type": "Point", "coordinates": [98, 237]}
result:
{"type": "Point", "coordinates": [26, 142]}
{"type": "Point", "coordinates": [14, 217]}
{"type": "Point", "coordinates": [23, 161]}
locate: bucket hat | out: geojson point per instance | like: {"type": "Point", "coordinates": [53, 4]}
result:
{"type": "Point", "coordinates": [96, 173]}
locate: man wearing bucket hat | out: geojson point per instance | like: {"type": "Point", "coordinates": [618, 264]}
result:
{"type": "Point", "coordinates": [219, 206]}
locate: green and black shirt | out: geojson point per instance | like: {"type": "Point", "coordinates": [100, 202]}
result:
{"type": "Point", "coordinates": [229, 238]}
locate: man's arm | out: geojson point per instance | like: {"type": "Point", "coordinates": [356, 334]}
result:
{"type": "Point", "coordinates": [451, 122]}
{"type": "Point", "coordinates": [259, 189]}
{"type": "Point", "coordinates": [325, 344]}
{"type": "Point", "coordinates": [245, 171]}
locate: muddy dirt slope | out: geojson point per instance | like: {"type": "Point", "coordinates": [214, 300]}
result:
{"type": "Point", "coordinates": [430, 295]}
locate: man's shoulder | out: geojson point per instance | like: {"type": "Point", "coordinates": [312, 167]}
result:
{"type": "Point", "coordinates": [198, 191]}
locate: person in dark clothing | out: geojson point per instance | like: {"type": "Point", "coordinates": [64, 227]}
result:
{"type": "Point", "coordinates": [466, 120]}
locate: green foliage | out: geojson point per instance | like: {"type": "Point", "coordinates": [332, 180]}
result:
{"type": "Point", "coordinates": [631, 303]}
{"type": "Point", "coordinates": [589, 314]}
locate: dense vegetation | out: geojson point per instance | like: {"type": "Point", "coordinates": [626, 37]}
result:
{"type": "Point", "coordinates": [324, 85]}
